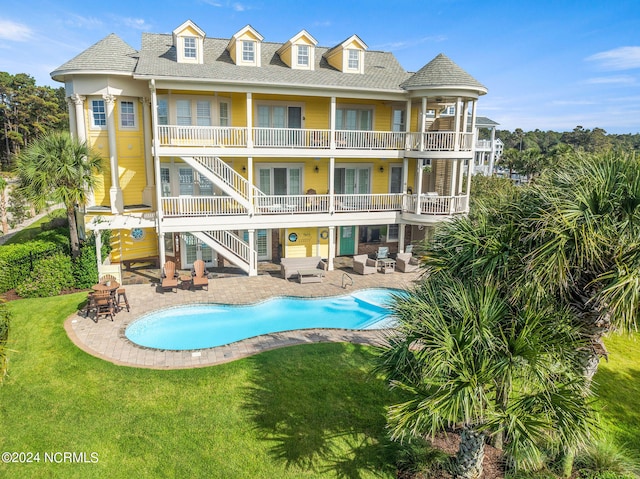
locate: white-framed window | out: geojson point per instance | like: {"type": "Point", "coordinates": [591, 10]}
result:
{"type": "Point", "coordinates": [303, 55]}
{"type": "Point", "coordinates": [395, 179]}
{"type": "Point", "coordinates": [183, 112]}
{"type": "Point", "coordinates": [165, 181]}
{"type": "Point", "coordinates": [392, 232]}
{"type": "Point", "coordinates": [398, 122]}
{"type": "Point", "coordinates": [280, 180]}
{"type": "Point", "coordinates": [190, 50]}
{"type": "Point", "coordinates": [203, 113]}
{"type": "Point", "coordinates": [98, 114]}
{"type": "Point", "coordinates": [351, 180]}
{"type": "Point", "coordinates": [163, 111]}
{"type": "Point", "coordinates": [248, 51]}
{"type": "Point", "coordinates": [127, 114]}
{"type": "Point", "coordinates": [223, 113]}
{"type": "Point", "coordinates": [354, 119]}
{"type": "Point", "coordinates": [353, 60]}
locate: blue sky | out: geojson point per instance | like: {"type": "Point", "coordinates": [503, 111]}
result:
{"type": "Point", "coordinates": [548, 65]}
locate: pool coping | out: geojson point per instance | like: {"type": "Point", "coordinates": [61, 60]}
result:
{"type": "Point", "coordinates": [106, 340]}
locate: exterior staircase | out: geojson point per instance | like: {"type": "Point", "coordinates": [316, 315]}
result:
{"type": "Point", "coordinates": [232, 248]}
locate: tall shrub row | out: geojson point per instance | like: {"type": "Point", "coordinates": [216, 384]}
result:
{"type": "Point", "coordinates": [17, 261]}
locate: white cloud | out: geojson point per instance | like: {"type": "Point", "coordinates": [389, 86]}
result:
{"type": "Point", "coordinates": [615, 80]}
{"type": "Point", "coordinates": [623, 58]}
{"type": "Point", "coordinates": [401, 45]}
{"type": "Point", "coordinates": [79, 21]}
{"type": "Point", "coordinates": [14, 31]}
{"type": "Point", "coordinates": [136, 23]}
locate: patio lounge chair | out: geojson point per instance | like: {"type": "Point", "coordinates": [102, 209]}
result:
{"type": "Point", "coordinates": [169, 276]}
{"type": "Point", "coordinates": [406, 263]}
{"type": "Point", "coordinates": [362, 264]}
{"type": "Point", "coordinates": [199, 274]}
{"type": "Point", "coordinates": [383, 252]}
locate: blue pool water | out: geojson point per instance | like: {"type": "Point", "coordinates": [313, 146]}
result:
{"type": "Point", "coordinates": [208, 325]}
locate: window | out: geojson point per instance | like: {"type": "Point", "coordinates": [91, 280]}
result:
{"type": "Point", "coordinates": [395, 185]}
{"type": "Point", "coordinates": [127, 114]}
{"type": "Point", "coordinates": [354, 119]}
{"type": "Point", "coordinates": [183, 112]}
{"type": "Point", "coordinates": [354, 60]}
{"type": "Point", "coordinates": [248, 51]}
{"type": "Point", "coordinates": [165, 181]}
{"type": "Point", "coordinates": [303, 55]}
{"type": "Point", "coordinates": [190, 47]}
{"type": "Point", "coordinates": [205, 186]}
{"type": "Point", "coordinates": [392, 232]}
{"type": "Point", "coordinates": [163, 112]}
{"type": "Point", "coordinates": [98, 113]}
{"type": "Point", "coordinates": [280, 181]}
{"type": "Point", "coordinates": [349, 181]}
{"type": "Point", "coordinates": [186, 181]}
{"type": "Point", "coordinates": [203, 113]}
{"type": "Point", "coordinates": [397, 121]}
{"type": "Point", "coordinates": [224, 114]}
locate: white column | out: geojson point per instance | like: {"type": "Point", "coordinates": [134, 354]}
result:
{"type": "Point", "coordinates": [407, 127]}
{"type": "Point", "coordinates": [161, 250]}
{"type": "Point", "coordinates": [468, 192]}
{"type": "Point", "coordinates": [81, 132]}
{"type": "Point", "coordinates": [332, 199]}
{"type": "Point", "coordinates": [452, 191]}
{"type": "Point", "coordinates": [418, 191]}
{"type": "Point", "coordinates": [253, 268]}
{"type": "Point", "coordinates": [405, 180]}
{"type": "Point", "coordinates": [460, 176]}
{"type": "Point", "coordinates": [115, 193]}
{"type": "Point", "coordinates": [457, 125]}
{"type": "Point", "coordinates": [493, 150]}
{"type": "Point", "coordinates": [332, 247]}
{"type": "Point", "coordinates": [73, 127]}
{"type": "Point", "coordinates": [423, 122]}
{"type": "Point", "coordinates": [332, 124]}
{"type": "Point", "coordinates": [249, 120]}
{"type": "Point", "coordinates": [250, 180]}
{"type": "Point", "coordinates": [401, 238]}
{"type": "Point", "coordinates": [148, 195]}
{"type": "Point", "coordinates": [98, 236]}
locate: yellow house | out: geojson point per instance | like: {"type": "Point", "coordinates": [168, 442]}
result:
{"type": "Point", "coordinates": [243, 150]}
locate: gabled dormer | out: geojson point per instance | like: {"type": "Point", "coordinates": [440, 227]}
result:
{"type": "Point", "coordinates": [245, 47]}
{"type": "Point", "coordinates": [348, 56]}
{"type": "Point", "coordinates": [299, 52]}
{"type": "Point", "coordinates": [188, 39]}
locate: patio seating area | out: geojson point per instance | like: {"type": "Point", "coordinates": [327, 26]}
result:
{"type": "Point", "coordinates": [105, 338]}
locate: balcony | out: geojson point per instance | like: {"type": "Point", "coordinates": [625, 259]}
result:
{"type": "Point", "coordinates": [293, 138]}
{"type": "Point", "coordinates": [266, 205]}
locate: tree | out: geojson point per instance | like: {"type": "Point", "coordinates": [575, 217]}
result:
{"type": "Point", "coordinates": [5, 318]}
{"type": "Point", "coordinates": [56, 168]}
{"type": "Point", "coordinates": [3, 205]}
{"type": "Point", "coordinates": [470, 359]}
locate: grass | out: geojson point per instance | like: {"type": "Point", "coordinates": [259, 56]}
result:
{"type": "Point", "coordinates": [302, 412]}
{"type": "Point", "coordinates": [618, 387]}
{"type": "Point", "coordinates": [30, 232]}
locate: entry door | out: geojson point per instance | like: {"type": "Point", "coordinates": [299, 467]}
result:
{"type": "Point", "coordinates": [262, 243]}
{"type": "Point", "coordinates": [195, 249]}
{"type": "Point", "coordinates": [347, 240]}
{"type": "Point", "coordinates": [294, 117]}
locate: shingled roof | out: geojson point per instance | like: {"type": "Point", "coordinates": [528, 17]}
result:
{"type": "Point", "coordinates": [158, 60]}
{"type": "Point", "coordinates": [442, 72]}
{"type": "Point", "coordinates": [111, 54]}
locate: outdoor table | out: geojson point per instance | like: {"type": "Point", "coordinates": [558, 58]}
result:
{"type": "Point", "coordinates": [185, 281]}
{"type": "Point", "coordinates": [387, 265]}
{"type": "Point", "coordinates": [102, 287]}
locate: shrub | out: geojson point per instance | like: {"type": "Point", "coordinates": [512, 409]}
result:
{"type": "Point", "coordinates": [18, 260]}
{"type": "Point", "coordinates": [85, 266]}
{"type": "Point", "coordinates": [418, 458]}
{"type": "Point", "coordinates": [49, 277]}
{"type": "Point", "coordinates": [606, 460]}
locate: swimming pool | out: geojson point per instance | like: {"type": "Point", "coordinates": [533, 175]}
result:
{"type": "Point", "coordinates": [208, 325]}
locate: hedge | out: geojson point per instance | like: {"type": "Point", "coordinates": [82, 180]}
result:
{"type": "Point", "coordinates": [18, 260]}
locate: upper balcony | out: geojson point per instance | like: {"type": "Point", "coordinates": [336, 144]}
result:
{"type": "Point", "coordinates": [176, 140]}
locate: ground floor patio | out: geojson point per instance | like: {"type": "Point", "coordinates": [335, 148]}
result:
{"type": "Point", "coordinates": [106, 339]}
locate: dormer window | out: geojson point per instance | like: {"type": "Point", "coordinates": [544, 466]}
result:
{"type": "Point", "coordinates": [303, 55]}
{"type": "Point", "coordinates": [188, 40]}
{"type": "Point", "coordinates": [248, 51]}
{"type": "Point", "coordinates": [190, 47]}
{"type": "Point", "coordinates": [354, 59]}
{"type": "Point", "coordinates": [244, 47]}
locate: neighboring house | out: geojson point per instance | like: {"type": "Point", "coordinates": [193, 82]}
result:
{"type": "Point", "coordinates": [488, 152]}
{"type": "Point", "coordinates": [241, 150]}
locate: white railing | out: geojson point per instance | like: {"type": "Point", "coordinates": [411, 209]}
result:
{"type": "Point", "coordinates": [379, 202]}
{"type": "Point", "coordinates": [236, 137]}
{"type": "Point", "coordinates": [223, 136]}
{"type": "Point", "coordinates": [291, 138]}
{"type": "Point", "coordinates": [370, 140]}
{"type": "Point", "coordinates": [227, 174]}
{"type": "Point", "coordinates": [179, 206]}
{"type": "Point", "coordinates": [232, 243]}
{"type": "Point", "coordinates": [189, 206]}
{"type": "Point", "coordinates": [484, 145]}
{"type": "Point", "coordinates": [437, 205]}
{"type": "Point", "coordinates": [290, 204]}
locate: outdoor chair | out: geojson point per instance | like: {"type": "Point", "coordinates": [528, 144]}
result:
{"type": "Point", "coordinates": [169, 276]}
{"type": "Point", "coordinates": [362, 264]}
{"type": "Point", "coordinates": [122, 296]}
{"type": "Point", "coordinates": [199, 274]}
{"type": "Point", "coordinates": [104, 305]}
{"type": "Point", "coordinates": [406, 263]}
{"type": "Point", "coordinates": [383, 252]}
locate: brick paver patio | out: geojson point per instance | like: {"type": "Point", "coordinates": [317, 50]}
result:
{"type": "Point", "coordinates": [105, 339]}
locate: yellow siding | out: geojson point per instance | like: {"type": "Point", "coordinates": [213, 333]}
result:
{"type": "Point", "coordinates": [125, 247]}
{"type": "Point", "coordinates": [130, 150]}
{"type": "Point", "coordinates": [309, 242]}
{"type": "Point", "coordinates": [238, 109]}
{"type": "Point", "coordinates": [285, 56]}
{"type": "Point", "coordinates": [317, 112]}
{"type": "Point", "coordinates": [99, 141]}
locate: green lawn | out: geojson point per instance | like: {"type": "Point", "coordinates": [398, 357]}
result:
{"type": "Point", "coordinates": [618, 386]}
{"type": "Point", "coordinates": [301, 412]}
{"type": "Point", "coordinates": [30, 232]}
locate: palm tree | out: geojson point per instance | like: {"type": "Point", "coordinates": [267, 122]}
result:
{"type": "Point", "coordinates": [57, 168]}
{"type": "Point", "coordinates": [470, 360]}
